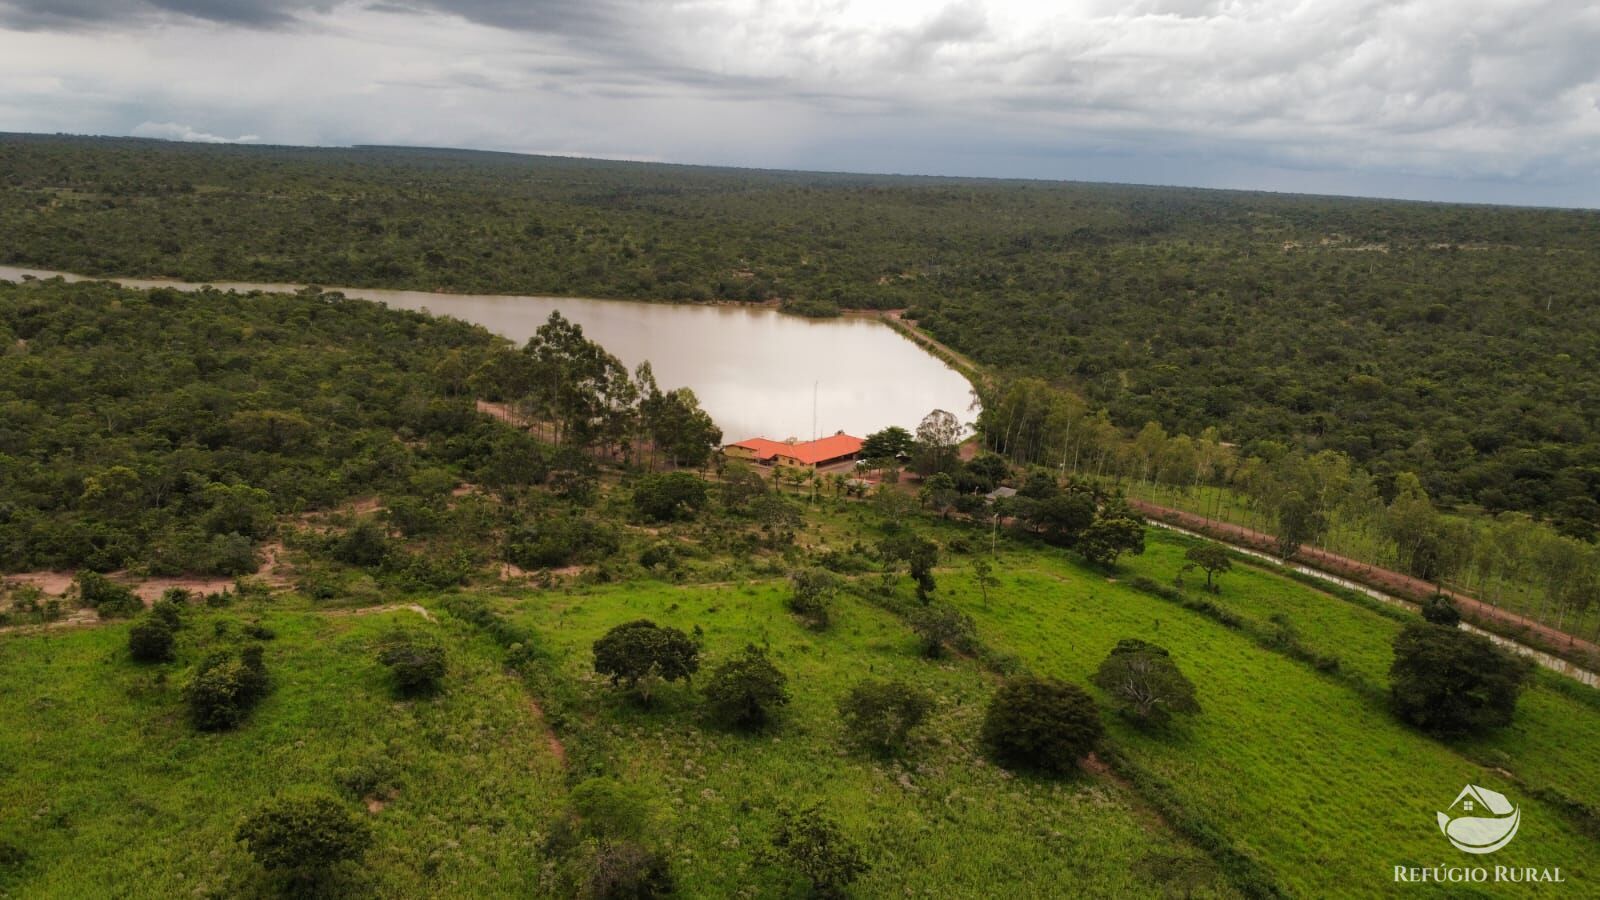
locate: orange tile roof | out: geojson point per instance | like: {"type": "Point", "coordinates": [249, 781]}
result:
{"type": "Point", "coordinates": [807, 453]}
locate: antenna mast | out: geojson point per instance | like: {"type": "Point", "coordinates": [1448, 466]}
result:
{"type": "Point", "coordinates": [814, 409]}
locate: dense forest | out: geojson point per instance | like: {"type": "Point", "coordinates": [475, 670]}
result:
{"type": "Point", "coordinates": [1455, 342]}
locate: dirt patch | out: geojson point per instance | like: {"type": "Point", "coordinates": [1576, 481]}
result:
{"type": "Point", "coordinates": [557, 749]}
{"type": "Point", "coordinates": [375, 805]}
{"type": "Point", "coordinates": [375, 610]}
{"type": "Point", "coordinates": [55, 583]}
{"type": "Point", "coordinates": [78, 618]}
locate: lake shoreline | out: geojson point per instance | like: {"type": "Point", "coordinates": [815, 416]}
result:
{"type": "Point", "coordinates": [758, 371]}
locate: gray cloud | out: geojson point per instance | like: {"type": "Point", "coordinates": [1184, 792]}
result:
{"type": "Point", "coordinates": [1470, 95]}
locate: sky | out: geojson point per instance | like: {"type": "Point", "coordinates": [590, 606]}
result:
{"type": "Point", "coordinates": [1463, 100]}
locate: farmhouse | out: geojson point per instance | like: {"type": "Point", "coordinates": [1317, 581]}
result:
{"type": "Point", "coordinates": [791, 454]}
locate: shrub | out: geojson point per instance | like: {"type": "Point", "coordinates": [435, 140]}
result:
{"type": "Point", "coordinates": [1440, 611]}
{"type": "Point", "coordinates": [746, 691]}
{"type": "Point", "coordinates": [364, 545]}
{"type": "Point", "coordinates": [811, 844]}
{"type": "Point", "coordinates": [1144, 682]}
{"type": "Point", "coordinates": [12, 857]}
{"type": "Point", "coordinates": [669, 496]}
{"type": "Point", "coordinates": [416, 661]}
{"type": "Point", "coordinates": [627, 871]}
{"type": "Point", "coordinates": [559, 541]}
{"type": "Point", "coordinates": [1041, 723]}
{"type": "Point", "coordinates": [880, 715]}
{"type": "Point", "coordinates": [609, 809]}
{"type": "Point", "coordinates": [106, 597]}
{"type": "Point", "coordinates": [640, 653]}
{"type": "Point", "coordinates": [150, 640]}
{"type": "Point", "coordinates": [812, 589]}
{"type": "Point", "coordinates": [1450, 681]}
{"type": "Point", "coordinates": [304, 839]}
{"type": "Point", "coordinates": [225, 687]}
{"type": "Point", "coordinates": [171, 607]}
{"type": "Point", "coordinates": [660, 555]}
{"type": "Point", "coordinates": [942, 627]}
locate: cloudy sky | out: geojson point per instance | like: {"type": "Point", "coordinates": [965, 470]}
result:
{"type": "Point", "coordinates": [1481, 100]}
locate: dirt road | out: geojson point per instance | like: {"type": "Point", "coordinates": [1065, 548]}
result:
{"type": "Point", "coordinates": [1492, 618]}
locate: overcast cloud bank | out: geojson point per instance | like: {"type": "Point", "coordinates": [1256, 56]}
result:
{"type": "Point", "coordinates": [1434, 99]}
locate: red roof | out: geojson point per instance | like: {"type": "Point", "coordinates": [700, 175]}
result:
{"type": "Point", "coordinates": [807, 453]}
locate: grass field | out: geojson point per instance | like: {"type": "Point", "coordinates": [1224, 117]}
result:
{"type": "Point", "coordinates": [112, 793]}
{"type": "Point", "coordinates": [1317, 780]}
{"type": "Point", "coordinates": [108, 788]}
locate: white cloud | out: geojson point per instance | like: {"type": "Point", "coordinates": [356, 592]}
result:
{"type": "Point", "coordinates": [173, 131]}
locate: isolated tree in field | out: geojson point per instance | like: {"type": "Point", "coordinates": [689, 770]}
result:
{"type": "Point", "coordinates": [938, 441]}
{"type": "Point", "coordinates": [1448, 681]}
{"type": "Point", "coordinates": [919, 555]}
{"type": "Point", "coordinates": [1213, 559]}
{"type": "Point", "coordinates": [1440, 611]}
{"type": "Point", "coordinates": [416, 661]}
{"type": "Point", "coordinates": [150, 640]}
{"type": "Point", "coordinates": [812, 845]}
{"type": "Point", "coordinates": [811, 594]}
{"type": "Point", "coordinates": [943, 628]}
{"type": "Point", "coordinates": [1144, 683]}
{"type": "Point", "coordinates": [640, 653]}
{"type": "Point", "coordinates": [225, 687]}
{"type": "Point", "coordinates": [1041, 723]}
{"type": "Point", "coordinates": [880, 715]}
{"type": "Point", "coordinates": [304, 840]}
{"type": "Point", "coordinates": [1112, 534]}
{"type": "Point", "coordinates": [983, 575]}
{"type": "Point", "coordinates": [747, 690]}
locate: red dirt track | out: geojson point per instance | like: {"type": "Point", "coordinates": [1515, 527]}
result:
{"type": "Point", "coordinates": [1473, 610]}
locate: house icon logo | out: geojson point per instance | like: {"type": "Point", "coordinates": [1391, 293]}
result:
{"type": "Point", "coordinates": [1480, 821]}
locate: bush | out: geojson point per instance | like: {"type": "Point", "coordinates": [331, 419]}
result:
{"type": "Point", "coordinates": [416, 661]}
{"type": "Point", "coordinates": [1041, 723]}
{"type": "Point", "coordinates": [640, 653]}
{"type": "Point", "coordinates": [12, 857]}
{"type": "Point", "coordinates": [812, 589]}
{"type": "Point", "coordinates": [746, 691]}
{"type": "Point", "coordinates": [627, 871]}
{"type": "Point", "coordinates": [1144, 682]}
{"type": "Point", "coordinates": [106, 597]}
{"type": "Point", "coordinates": [559, 542]}
{"type": "Point", "coordinates": [150, 640]}
{"type": "Point", "coordinates": [942, 627]}
{"type": "Point", "coordinates": [812, 844]}
{"type": "Point", "coordinates": [609, 809]}
{"type": "Point", "coordinates": [364, 545]}
{"type": "Point", "coordinates": [304, 839]}
{"type": "Point", "coordinates": [225, 687]}
{"type": "Point", "coordinates": [1446, 680]}
{"type": "Point", "coordinates": [1440, 611]}
{"type": "Point", "coordinates": [880, 715]}
{"type": "Point", "coordinates": [669, 496]}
